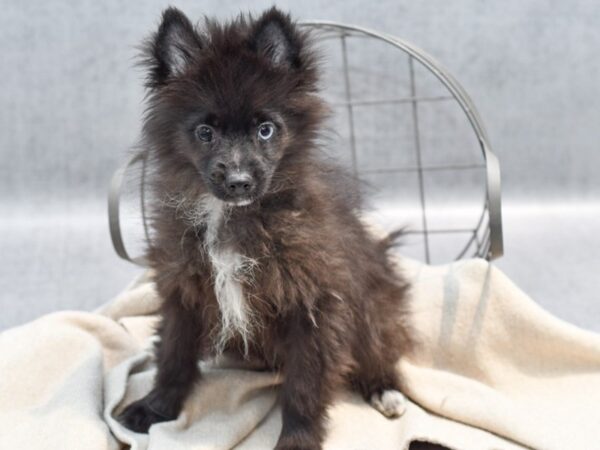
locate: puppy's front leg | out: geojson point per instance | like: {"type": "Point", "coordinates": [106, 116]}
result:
{"type": "Point", "coordinates": [177, 355]}
{"type": "Point", "coordinates": [307, 387]}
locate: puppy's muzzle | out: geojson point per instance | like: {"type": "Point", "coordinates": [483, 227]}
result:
{"type": "Point", "coordinates": [239, 184]}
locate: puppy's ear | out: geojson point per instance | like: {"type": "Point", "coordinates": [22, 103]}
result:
{"type": "Point", "coordinates": [275, 37]}
{"type": "Point", "coordinates": [171, 48]}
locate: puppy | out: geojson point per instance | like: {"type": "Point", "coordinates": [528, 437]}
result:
{"type": "Point", "coordinates": [256, 244]}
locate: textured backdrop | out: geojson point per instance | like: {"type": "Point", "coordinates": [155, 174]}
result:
{"type": "Point", "coordinates": [71, 101]}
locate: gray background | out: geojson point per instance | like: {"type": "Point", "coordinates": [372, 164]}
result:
{"type": "Point", "coordinates": [71, 101]}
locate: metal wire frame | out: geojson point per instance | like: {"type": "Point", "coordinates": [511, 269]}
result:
{"type": "Point", "coordinates": [485, 239]}
{"type": "Point", "coordinates": [114, 202]}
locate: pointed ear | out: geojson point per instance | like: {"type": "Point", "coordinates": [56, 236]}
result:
{"type": "Point", "coordinates": [171, 48]}
{"type": "Point", "coordinates": [275, 37]}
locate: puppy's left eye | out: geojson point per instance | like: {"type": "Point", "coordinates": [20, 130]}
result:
{"type": "Point", "coordinates": [266, 131]}
{"type": "Point", "coordinates": [204, 133]}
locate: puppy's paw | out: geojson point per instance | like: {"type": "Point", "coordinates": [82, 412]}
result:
{"type": "Point", "coordinates": [139, 416]}
{"type": "Point", "coordinates": [390, 403]}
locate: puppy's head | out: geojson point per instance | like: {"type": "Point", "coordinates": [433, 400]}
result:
{"type": "Point", "coordinates": [228, 103]}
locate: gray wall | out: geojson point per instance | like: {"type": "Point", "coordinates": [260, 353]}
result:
{"type": "Point", "coordinates": [71, 100]}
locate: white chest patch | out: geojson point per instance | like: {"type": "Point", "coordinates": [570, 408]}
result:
{"type": "Point", "coordinates": [230, 268]}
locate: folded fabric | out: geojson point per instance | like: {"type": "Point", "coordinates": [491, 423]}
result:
{"type": "Point", "coordinates": [491, 370]}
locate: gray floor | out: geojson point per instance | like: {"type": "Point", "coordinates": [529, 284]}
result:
{"type": "Point", "coordinates": [552, 254]}
{"type": "Point", "coordinates": [64, 260]}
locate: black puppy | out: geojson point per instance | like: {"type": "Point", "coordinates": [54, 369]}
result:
{"type": "Point", "coordinates": [257, 247]}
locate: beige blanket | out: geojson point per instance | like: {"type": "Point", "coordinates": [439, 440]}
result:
{"type": "Point", "coordinates": [492, 371]}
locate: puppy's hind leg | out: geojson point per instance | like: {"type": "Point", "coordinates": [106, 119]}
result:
{"type": "Point", "coordinates": [380, 387]}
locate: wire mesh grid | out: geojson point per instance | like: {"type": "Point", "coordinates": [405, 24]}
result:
{"type": "Point", "coordinates": [481, 237]}
{"type": "Point", "coordinates": [484, 237]}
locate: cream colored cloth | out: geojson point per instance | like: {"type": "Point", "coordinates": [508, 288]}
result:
{"type": "Point", "coordinates": [492, 370]}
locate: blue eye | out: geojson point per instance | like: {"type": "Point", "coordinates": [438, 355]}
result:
{"type": "Point", "coordinates": [204, 133]}
{"type": "Point", "coordinates": [266, 131]}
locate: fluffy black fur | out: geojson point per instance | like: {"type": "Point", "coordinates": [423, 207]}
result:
{"type": "Point", "coordinates": [257, 247]}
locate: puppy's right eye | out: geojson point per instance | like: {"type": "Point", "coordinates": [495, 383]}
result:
{"type": "Point", "coordinates": [204, 133]}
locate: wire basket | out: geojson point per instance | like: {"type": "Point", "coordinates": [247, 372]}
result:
{"type": "Point", "coordinates": [388, 98]}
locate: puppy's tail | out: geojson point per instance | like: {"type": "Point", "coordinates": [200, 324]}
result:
{"type": "Point", "coordinates": [391, 240]}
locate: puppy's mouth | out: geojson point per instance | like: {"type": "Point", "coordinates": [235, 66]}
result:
{"type": "Point", "coordinates": [235, 201]}
{"type": "Point", "coordinates": [238, 190]}
{"type": "Point", "coordinates": [240, 201]}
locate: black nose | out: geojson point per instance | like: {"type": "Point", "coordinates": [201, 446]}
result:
{"type": "Point", "coordinates": [239, 183]}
